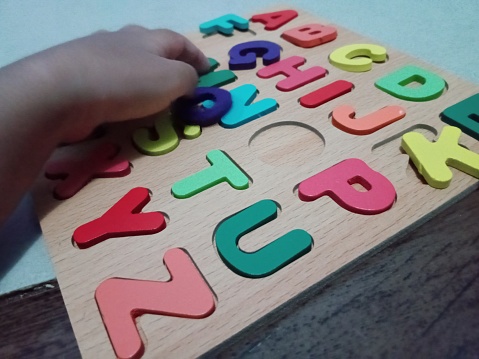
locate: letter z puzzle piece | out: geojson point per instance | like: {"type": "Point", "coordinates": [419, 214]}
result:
{"type": "Point", "coordinates": [270, 258]}
{"type": "Point", "coordinates": [433, 158]}
{"type": "Point", "coordinates": [121, 300]}
{"type": "Point", "coordinates": [102, 162]}
{"type": "Point", "coordinates": [337, 183]}
{"type": "Point", "coordinates": [121, 220]}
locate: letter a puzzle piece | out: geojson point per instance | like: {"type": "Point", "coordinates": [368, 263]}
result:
{"type": "Point", "coordinates": [465, 115]}
{"type": "Point", "coordinates": [336, 182]}
{"type": "Point", "coordinates": [121, 220]}
{"type": "Point", "coordinates": [270, 258]}
{"type": "Point", "coordinates": [222, 169]}
{"type": "Point", "coordinates": [343, 118]}
{"type": "Point", "coordinates": [224, 24]}
{"type": "Point", "coordinates": [433, 158]}
{"type": "Point", "coordinates": [102, 162]}
{"type": "Point", "coordinates": [121, 300]}
{"type": "Point", "coordinates": [243, 109]}
{"type": "Point", "coordinates": [295, 78]}
{"type": "Point", "coordinates": [274, 20]}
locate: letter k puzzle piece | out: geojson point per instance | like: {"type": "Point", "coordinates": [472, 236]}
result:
{"type": "Point", "coordinates": [102, 162]}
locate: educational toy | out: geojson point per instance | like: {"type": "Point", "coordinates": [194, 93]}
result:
{"type": "Point", "coordinates": [305, 148]}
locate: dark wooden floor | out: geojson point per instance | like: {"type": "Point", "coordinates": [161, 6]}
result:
{"type": "Point", "coordinates": [417, 298]}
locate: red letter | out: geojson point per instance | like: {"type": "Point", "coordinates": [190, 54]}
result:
{"type": "Point", "coordinates": [326, 93]}
{"type": "Point", "coordinates": [310, 35]}
{"type": "Point", "coordinates": [274, 20]}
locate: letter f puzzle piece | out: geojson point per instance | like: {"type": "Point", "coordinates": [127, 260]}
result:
{"type": "Point", "coordinates": [103, 161]}
{"type": "Point", "coordinates": [121, 300]}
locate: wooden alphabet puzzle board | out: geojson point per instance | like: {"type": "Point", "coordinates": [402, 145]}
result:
{"type": "Point", "coordinates": [336, 195]}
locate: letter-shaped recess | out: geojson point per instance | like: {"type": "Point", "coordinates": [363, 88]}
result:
{"type": "Point", "coordinates": [216, 78]}
{"type": "Point", "coordinates": [121, 300]}
{"type": "Point", "coordinates": [337, 182]}
{"type": "Point", "coordinates": [396, 84]}
{"type": "Point", "coordinates": [167, 138]}
{"type": "Point", "coordinates": [123, 219]}
{"type": "Point", "coordinates": [268, 259]}
{"type": "Point", "coordinates": [343, 118]}
{"type": "Point", "coordinates": [222, 169]}
{"type": "Point", "coordinates": [102, 162]}
{"type": "Point", "coordinates": [190, 110]}
{"type": "Point", "coordinates": [326, 94]}
{"type": "Point", "coordinates": [357, 57]}
{"type": "Point", "coordinates": [465, 115]}
{"type": "Point", "coordinates": [274, 20]}
{"type": "Point", "coordinates": [243, 56]}
{"type": "Point", "coordinates": [224, 24]}
{"type": "Point", "coordinates": [433, 158]}
{"type": "Point", "coordinates": [295, 78]}
{"type": "Point", "coordinates": [244, 110]}
{"type": "Point", "coordinates": [310, 35]}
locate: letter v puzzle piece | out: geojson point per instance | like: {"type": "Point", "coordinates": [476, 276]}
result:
{"type": "Point", "coordinates": [121, 220]}
{"type": "Point", "coordinates": [121, 300]}
{"type": "Point", "coordinates": [102, 162]}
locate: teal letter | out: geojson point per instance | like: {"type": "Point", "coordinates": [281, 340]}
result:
{"type": "Point", "coordinates": [465, 115]}
{"type": "Point", "coordinates": [270, 258]}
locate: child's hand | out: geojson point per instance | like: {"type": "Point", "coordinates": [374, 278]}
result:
{"type": "Point", "coordinates": [63, 93]}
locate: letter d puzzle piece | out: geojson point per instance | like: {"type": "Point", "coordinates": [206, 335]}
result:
{"type": "Point", "coordinates": [121, 300]}
{"type": "Point", "coordinates": [122, 220]}
{"type": "Point", "coordinates": [432, 158]}
{"type": "Point", "coordinates": [336, 182]}
{"type": "Point", "coordinates": [267, 260]}
{"type": "Point", "coordinates": [102, 162]}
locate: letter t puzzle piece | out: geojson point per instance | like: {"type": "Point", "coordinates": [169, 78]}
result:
{"type": "Point", "coordinates": [102, 162]}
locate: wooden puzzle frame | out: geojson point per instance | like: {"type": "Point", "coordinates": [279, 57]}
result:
{"type": "Point", "coordinates": [277, 151]}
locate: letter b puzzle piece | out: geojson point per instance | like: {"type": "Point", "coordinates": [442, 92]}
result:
{"type": "Point", "coordinates": [121, 220]}
{"type": "Point", "coordinates": [103, 161]}
{"type": "Point", "coordinates": [270, 258]}
{"type": "Point", "coordinates": [433, 158]}
{"type": "Point", "coordinates": [121, 300]}
{"type": "Point", "coordinates": [336, 182]}
{"type": "Point", "coordinates": [310, 35]}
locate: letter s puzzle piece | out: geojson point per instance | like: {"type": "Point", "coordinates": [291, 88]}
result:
{"type": "Point", "coordinates": [274, 20]}
{"type": "Point", "coordinates": [121, 220]}
{"type": "Point", "coordinates": [433, 158]}
{"type": "Point", "coordinates": [267, 260]}
{"type": "Point", "coordinates": [337, 183]}
{"type": "Point", "coordinates": [121, 300]}
{"type": "Point", "coordinates": [102, 162]}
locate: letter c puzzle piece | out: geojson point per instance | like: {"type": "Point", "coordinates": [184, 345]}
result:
{"type": "Point", "coordinates": [190, 110]}
{"type": "Point", "coordinates": [433, 158]}
{"type": "Point", "coordinates": [343, 118]}
{"type": "Point", "coordinates": [274, 20]}
{"type": "Point", "coordinates": [336, 182]}
{"type": "Point", "coordinates": [121, 300]}
{"type": "Point", "coordinates": [102, 162]}
{"type": "Point", "coordinates": [243, 56]}
{"type": "Point", "coordinates": [267, 260]}
{"type": "Point", "coordinates": [121, 220]}
{"type": "Point", "coordinates": [357, 57]}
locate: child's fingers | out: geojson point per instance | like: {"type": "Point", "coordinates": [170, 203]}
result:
{"type": "Point", "coordinates": [174, 46]}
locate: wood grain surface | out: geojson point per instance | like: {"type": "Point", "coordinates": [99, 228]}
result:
{"type": "Point", "coordinates": [417, 298]}
{"type": "Point", "coordinates": [277, 151]}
